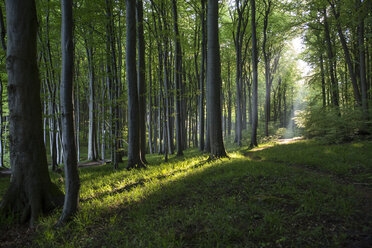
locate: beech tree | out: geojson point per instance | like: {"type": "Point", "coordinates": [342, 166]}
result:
{"type": "Point", "coordinates": [72, 182]}
{"type": "Point", "coordinates": [134, 150]}
{"type": "Point", "coordinates": [31, 192]}
{"type": "Point", "coordinates": [214, 83]}
{"type": "Point", "coordinates": [255, 76]}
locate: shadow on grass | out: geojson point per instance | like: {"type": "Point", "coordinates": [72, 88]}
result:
{"type": "Point", "coordinates": [227, 203]}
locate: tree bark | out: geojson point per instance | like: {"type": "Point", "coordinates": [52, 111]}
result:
{"type": "Point", "coordinates": [31, 191]}
{"type": "Point", "coordinates": [202, 77]}
{"type": "Point", "coordinates": [177, 81]}
{"type": "Point", "coordinates": [334, 87]}
{"type": "Point", "coordinates": [134, 154]}
{"type": "Point", "coordinates": [72, 181]}
{"type": "Point", "coordinates": [255, 79]}
{"type": "Point", "coordinates": [92, 153]}
{"type": "Point", "coordinates": [214, 83]}
{"type": "Point", "coordinates": [141, 79]}
{"type": "Point", "coordinates": [362, 67]}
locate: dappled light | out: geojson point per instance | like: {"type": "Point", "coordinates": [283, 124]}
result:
{"type": "Point", "coordinates": [198, 123]}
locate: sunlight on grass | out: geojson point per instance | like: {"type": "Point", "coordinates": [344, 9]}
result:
{"type": "Point", "coordinates": [188, 202]}
{"type": "Point", "coordinates": [236, 155]}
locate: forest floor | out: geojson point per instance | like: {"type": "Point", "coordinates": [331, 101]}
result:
{"type": "Point", "coordinates": [292, 193]}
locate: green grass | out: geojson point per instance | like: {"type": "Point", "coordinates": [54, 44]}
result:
{"type": "Point", "coordinates": [236, 202]}
{"type": "Point", "coordinates": [352, 160]}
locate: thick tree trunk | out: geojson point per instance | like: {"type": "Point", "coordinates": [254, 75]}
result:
{"type": "Point", "coordinates": [134, 153]}
{"type": "Point", "coordinates": [72, 181]}
{"type": "Point", "coordinates": [255, 79]}
{"type": "Point", "coordinates": [31, 191]}
{"type": "Point", "coordinates": [214, 83]}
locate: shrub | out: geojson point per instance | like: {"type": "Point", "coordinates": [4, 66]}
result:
{"type": "Point", "coordinates": [332, 125]}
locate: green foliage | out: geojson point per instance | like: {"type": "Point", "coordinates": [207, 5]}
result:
{"type": "Point", "coordinates": [332, 125]}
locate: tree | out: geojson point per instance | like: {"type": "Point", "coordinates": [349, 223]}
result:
{"type": "Point", "coordinates": [141, 80]}
{"type": "Point", "coordinates": [134, 153]}
{"type": "Point", "coordinates": [255, 78]}
{"type": "Point", "coordinates": [214, 83]}
{"type": "Point", "coordinates": [177, 80]}
{"type": "Point", "coordinates": [238, 41]}
{"type": "Point", "coordinates": [202, 76]}
{"type": "Point", "coordinates": [31, 191]}
{"type": "Point", "coordinates": [72, 181]}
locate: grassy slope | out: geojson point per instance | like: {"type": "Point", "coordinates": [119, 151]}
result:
{"type": "Point", "coordinates": [271, 199]}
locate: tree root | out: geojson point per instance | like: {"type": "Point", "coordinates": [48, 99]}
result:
{"type": "Point", "coordinates": [26, 205]}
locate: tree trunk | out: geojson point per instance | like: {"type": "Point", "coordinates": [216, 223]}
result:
{"type": "Point", "coordinates": [72, 182]}
{"type": "Point", "coordinates": [323, 80]}
{"type": "Point", "coordinates": [229, 99]}
{"type": "Point", "coordinates": [141, 79]}
{"type": "Point", "coordinates": [92, 154]}
{"type": "Point", "coordinates": [202, 77]}
{"type": "Point", "coordinates": [177, 81]}
{"type": "Point", "coordinates": [255, 79]}
{"type": "Point", "coordinates": [267, 67]}
{"type": "Point", "coordinates": [150, 118]}
{"type": "Point", "coordinates": [214, 83]}
{"type": "Point", "coordinates": [346, 52]}
{"type": "Point", "coordinates": [362, 67]}
{"type": "Point", "coordinates": [134, 153]}
{"type": "Point", "coordinates": [334, 87]}
{"type": "Point", "coordinates": [31, 191]}
{"type": "Point", "coordinates": [77, 118]}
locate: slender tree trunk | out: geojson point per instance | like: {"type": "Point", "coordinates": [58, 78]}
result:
{"type": "Point", "coordinates": [92, 155]}
{"type": "Point", "coordinates": [177, 81]}
{"type": "Point", "coordinates": [229, 103]}
{"type": "Point", "coordinates": [255, 79]}
{"type": "Point", "coordinates": [267, 67]}
{"type": "Point", "coordinates": [150, 118]}
{"type": "Point", "coordinates": [72, 181]}
{"type": "Point", "coordinates": [77, 115]}
{"type": "Point", "coordinates": [346, 52]}
{"type": "Point", "coordinates": [362, 67]}
{"type": "Point", "coordinates": [141, 81]}
{"type": "Point", "coordinates": [323, 80]}
{"type": "Point", "coordinates": [202, 77]}
{"type": "Point", "coordinates": [334, 87]}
